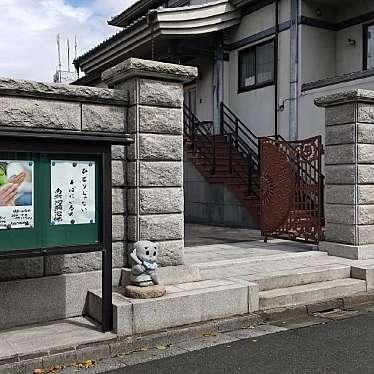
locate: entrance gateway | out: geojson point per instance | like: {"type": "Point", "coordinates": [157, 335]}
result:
{"type": "Point", "coordinates": [56, 198]}
{"type": "Point", "coordinates": [291, 189]}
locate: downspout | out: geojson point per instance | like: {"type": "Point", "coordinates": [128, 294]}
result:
{"type": "Point", "coordinates": [218, 79]}
{"type": "Point", "coordinates": [276, 65]}
{"type": "Point", "coordinates": [294, 71]}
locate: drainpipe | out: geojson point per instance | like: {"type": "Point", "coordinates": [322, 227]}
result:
{"type": "Point", "coordinates": [276, 65]}
{"type": "Point", "coordinates": [218, 78]}
{"type": "Point", "coordinates": [294, 71]}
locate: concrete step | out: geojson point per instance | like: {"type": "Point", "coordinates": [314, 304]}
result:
{"type": "Point", "coordinates": [310, 293]}
{"type": "Point", "coordinates": [300, 276]}
{"type": "Point", "coordinates": [183, 304]}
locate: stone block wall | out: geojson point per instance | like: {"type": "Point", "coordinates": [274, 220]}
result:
{"type": "Point", "coordinates": [349, 159]}
{"type": "Point", "coordinates": [154, 176]}
{"type": "Point", "coordinates": [60, 108]}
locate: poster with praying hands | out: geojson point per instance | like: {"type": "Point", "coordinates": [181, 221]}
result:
{"type": "Point", "coordinates": [72, 192]}
{"type": "Point", "coordinates": [16, 194]}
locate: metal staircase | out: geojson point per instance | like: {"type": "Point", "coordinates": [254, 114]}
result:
{"type": "Point", "coordinates": [233, 158]}
{"type": "Point", "coordinates": [230, 158]}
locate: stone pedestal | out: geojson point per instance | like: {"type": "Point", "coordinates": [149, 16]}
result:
{"type": "Point", "coordinates": [150, 292]}
{"type": "Point", "coordinates": [349, 159]}
{"type": "Point", "coordinates": [154, 173]}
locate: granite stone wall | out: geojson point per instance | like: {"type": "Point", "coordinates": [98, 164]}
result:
{"type": "Point", "coordinates": [61, 108]}
{"type": "Point", "coordinates": [155, 161]}
{"type": "Point", "coordinates": [349, 159]}
{"type": "Point", "coordinates": [147, 179]}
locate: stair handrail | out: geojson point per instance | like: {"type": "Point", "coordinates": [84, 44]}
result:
{"type": "Point", "coordinates": [245, 142]}
{"type": "Point", "coordinates": [191, 122]}
{"type": "Point", "coordinates": [243, 125]}
{"type": "Point", "coordinates": [241, 131]}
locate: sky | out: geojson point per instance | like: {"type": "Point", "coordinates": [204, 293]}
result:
{"type": "Point", "coordinates": [29, 28]}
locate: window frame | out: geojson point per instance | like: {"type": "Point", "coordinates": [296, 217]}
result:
{"type": "Point", "coordinates": [365, 45]}
{"type": "Point", "coordinates": [256, 85]}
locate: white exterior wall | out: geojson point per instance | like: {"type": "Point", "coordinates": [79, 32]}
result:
{"type": "Point", "coordinates": [311, 118]}
{"type": "Point", "coordinates": [256, 107]}
{"type": "Point", "coordinates": [204, 89]}
{"type": "Point", "coordinates": [349, 58]}
{"type": "Point", "coordinates": [318, 54]}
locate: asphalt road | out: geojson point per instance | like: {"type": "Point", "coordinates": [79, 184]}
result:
{"type": "Point", "coordinates": [345, 346]}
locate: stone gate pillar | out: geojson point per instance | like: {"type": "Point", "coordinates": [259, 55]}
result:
{"type": "Point", "coordinates": [349, 160]}
{"type": "Point", "coordinates": [155, 162]}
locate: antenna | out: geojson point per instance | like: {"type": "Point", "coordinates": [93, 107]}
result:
{"type": "Point", "coordinates": [59, 57]}
{"type": "Point", "coordinates": [75, 46]}
{"type": "Point", "coordinates": [68, 54]}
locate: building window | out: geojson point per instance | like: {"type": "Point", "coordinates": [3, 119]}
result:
{"type": "Point", "coordinates": [256, 66]}
{"type": "Point", "coordinates": [369, 46]}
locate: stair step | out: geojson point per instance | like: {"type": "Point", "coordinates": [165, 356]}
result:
{"type": "Point", "coordinates": [183, 304]}
{"type": "Point", "coordinates": [310, 293]}
{"type": "Point", "coordinates": [301, 276]}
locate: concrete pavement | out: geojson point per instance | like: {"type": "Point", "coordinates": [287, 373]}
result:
{"type": "Point", "coordinates": [337, 341]}
{"type": "Point", "coordinates": [342, 347]}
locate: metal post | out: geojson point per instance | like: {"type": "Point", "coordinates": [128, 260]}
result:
{"type": "Point", "coordinates": [222, 119]}
{"type": "Point", "coordinates": [230, 153]}
{"type": "Point", "coordinates": [107, 307]}
{"type": "Point", "coordinates": [250, 174]}
{"type": "Point", "coordinates": [236, 133]}
{"type": "Point", "coordinates": [214, 155]}
{"type": "Point", "coordinates": [294, 71]}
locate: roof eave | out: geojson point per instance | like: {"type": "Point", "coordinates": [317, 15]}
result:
{"type": "Point", "coordinates": [132, 13]}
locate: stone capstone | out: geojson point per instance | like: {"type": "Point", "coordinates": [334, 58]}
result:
{"type": "Point", "coordinates": [146, 68]}
{"type": "Point", "coordinates": [150, 292]}
{"type": "Point", "coordinates": [13, 87]}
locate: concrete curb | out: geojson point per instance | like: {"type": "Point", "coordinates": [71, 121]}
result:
{"type": "Point", "coordinates": [111, 348]}
{"type": "Point", "coordinates": [125, 345]}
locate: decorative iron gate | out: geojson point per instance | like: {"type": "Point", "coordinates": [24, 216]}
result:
{"type": "Point", "coordinates": [291, 188]}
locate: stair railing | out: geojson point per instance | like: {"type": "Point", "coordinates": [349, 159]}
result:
{"type": "Point", "coordinates": [245, 142]}
{"type": "Point", "coordinates": [202, 142]}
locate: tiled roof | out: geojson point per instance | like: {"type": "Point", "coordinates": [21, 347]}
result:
{"type": "Point", "coordinates": [134, 11]}
{"type": "Point", "coordinates": [110, 40]}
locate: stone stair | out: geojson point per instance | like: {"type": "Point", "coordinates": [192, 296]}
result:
{"type": "Point", "coordinates": [225, 288]}
{"type": "Point", "coordinates": [310, 293]}
{"type": "Point", "coordinates": [316, 279]}
{"type": "Point", "coordinates": [184, 303]}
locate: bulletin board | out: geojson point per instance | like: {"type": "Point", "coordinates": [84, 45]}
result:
{"type": "Point", "coordinates": [58, 197]}
{"type": "Point", "coordinates": [54, 202]}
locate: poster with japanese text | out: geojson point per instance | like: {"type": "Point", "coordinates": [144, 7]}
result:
{"type": "Point", "coordinates": [16, 194]}
{"type": "Point", "coordinates": [72, 192]}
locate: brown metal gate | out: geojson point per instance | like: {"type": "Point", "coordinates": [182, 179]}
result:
{"type": "Point", "coordinates": [291, 188]}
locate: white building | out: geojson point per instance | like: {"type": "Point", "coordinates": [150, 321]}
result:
{"type": "Point", "coordinates": [266, 60]}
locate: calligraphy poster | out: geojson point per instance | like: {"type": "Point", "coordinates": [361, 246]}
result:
{"type": "Point", "coordinates": [16, 194]}
{"type": "Point", "coordinates": [72, 192]}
